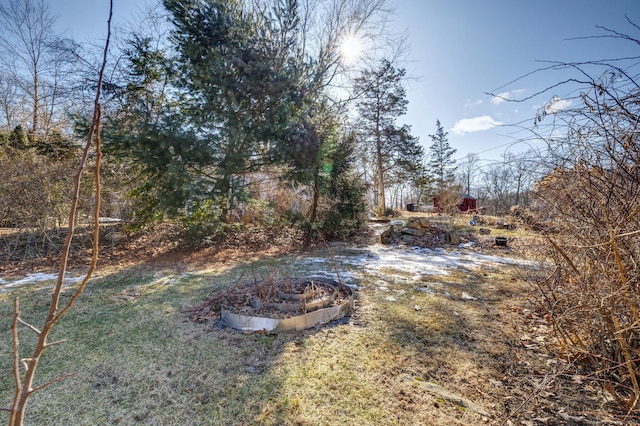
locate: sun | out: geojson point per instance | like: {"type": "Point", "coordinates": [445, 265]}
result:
{"type": "Point", "coordinates": [351, 47]}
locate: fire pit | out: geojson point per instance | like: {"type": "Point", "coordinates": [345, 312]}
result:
{"type": "Point", "coordinates": [279, 304]}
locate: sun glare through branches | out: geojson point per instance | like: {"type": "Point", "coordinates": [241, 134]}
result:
{"type": "Point", "coordinates": [351, 48]}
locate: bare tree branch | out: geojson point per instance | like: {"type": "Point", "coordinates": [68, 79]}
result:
{"type": "Point", "coordinates": [24, 386]}
{"type": "Point", "coordinates": [29, 326]}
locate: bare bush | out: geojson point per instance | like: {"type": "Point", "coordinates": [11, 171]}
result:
{"type": "Point", "coordinates": [593, 196]}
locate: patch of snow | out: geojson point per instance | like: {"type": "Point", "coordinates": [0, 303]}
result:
{"type": "Point", "coordinates": [467, 296]}
{"type": "Point", "coordinates": [414, 263]}
{"type": "Point", "coordinates": [390, 299]}
{"type": "Point", "coordinates": [109, 220]}
{"type": "Point", "coordinates": [345, 276]}
{"type": "Point", "coordinates": [36, 278]}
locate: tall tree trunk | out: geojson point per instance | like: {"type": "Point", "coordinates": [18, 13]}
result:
{"type": "Point", "coordinates": [381, 200]}
{"type": "Point", "coordinates": [36, 106]}
{"type": "Point", "coordinates": [313, 215]}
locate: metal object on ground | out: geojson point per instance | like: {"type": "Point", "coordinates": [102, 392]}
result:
{"type": "Point", "coordinates": [310, 312]}
{"type": "Point", "coordinates": [501, 241]}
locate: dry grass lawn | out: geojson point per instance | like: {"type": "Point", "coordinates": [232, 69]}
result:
{"type": "Point", "coordinates": [406, 357]}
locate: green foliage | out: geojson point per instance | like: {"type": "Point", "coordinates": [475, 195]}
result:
{"type": "Point", "coordinates": [161, 157]}
{"type": "Point", "coordinates": [203, 222]}
{"type": "Point", "coordinates": [382, 100]}
{"type": "Point", "coordinates": [234, 91]}
{"type": "Point", "coordinates": [236, 98]}
{"type": "Point", "coordinates": [18, 138]}
{"type": "Point", "coordinates": [57, 147]}
{"type": "Point", "coordinates": [342, 212]}
{"type": "Point", "coordinates": [442, 163]}
{"type": "Point", "coordinates": [4, 140]}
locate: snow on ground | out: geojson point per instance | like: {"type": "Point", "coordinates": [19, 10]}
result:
{"type": "Point", "coordinates": [35, 278]}
{"type": "Point", "coordinates": [409, 264]}
{"type": "Point", "coordinates": [404, 264]}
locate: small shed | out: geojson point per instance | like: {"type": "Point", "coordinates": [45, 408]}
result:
{"type": "Point", "coordinates": [468, 205]}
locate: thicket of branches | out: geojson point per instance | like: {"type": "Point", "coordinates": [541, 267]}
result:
{"type": "Point", "coordinates": [593, 194]}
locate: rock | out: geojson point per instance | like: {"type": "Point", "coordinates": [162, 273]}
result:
{"type": "Point", "coordinates": [484, 231]}
{"type": "Point", "coordinates": [452, 237]}
{"type": "Point", "coordinates": [385, 237]}
{"type": "Point", "coordinates": [408, 239]}
{"type": "Point", "coordinates": [413, 231]}
{"type": "Point", "coordinates": [418, 223]}
{"type": "Point", "coordinates": [390, 236]}
{"type": "Point", "coordinates": [450, 397]}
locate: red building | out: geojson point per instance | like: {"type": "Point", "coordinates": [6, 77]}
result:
{"type": "Point", "coordinates": [468, 205]}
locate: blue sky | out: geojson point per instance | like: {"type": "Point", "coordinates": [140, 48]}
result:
{"type": "Point", "coordinates": [461, 49]}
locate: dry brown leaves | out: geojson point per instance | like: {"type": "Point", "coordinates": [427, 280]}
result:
{"type": "Point", "coordinates": [274, 297]}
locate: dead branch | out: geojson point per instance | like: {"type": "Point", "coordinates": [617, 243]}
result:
{"type": "Point", "coordinates": [49, 383]}
{"type": "Point", "coordinates": [16, 348]}
{"type": "Point", "coordinates": [29, 326]}
{"type": "Point", "coordinates": [24, 386]}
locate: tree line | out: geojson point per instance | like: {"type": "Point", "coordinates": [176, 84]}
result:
{"type": "Point", "coordinates": [215, 112]}
{"type": "Point", "coordinates": [219, 112]}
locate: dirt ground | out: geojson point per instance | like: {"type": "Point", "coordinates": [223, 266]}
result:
{"type": "Point", "coordinates": [520, 376]}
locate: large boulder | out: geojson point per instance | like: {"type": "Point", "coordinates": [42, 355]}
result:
{"type": "Point", "coordinates": [390, 236]}
{"type": "Point", "coordinates": [409, 239]}
{"type": "Point", "coordinates": [416, 232]}
{"type": "Point", "coordinates": [418, 223]}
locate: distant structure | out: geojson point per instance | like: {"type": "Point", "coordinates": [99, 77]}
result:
{"type": "Point", "coordinates": [468, 205]}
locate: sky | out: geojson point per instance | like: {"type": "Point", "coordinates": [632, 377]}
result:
{"type": "Point", "coordinates": [461, 50]}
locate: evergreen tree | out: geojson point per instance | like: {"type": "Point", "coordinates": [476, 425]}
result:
{"type": "Point", "coordinates": [241, 94]}
{"type": "Point", "coordinates": [381, 100]}
{"type": "Point", "coordinates": [325, 163]}
{"type": "Point", "coordinates": [146, 140]}
{"type": "Point", "coordinates": [18, 138]}
{"type": "Point", "coordinates": [442, 165]}
{"type": "Point", "coordinates": [56, 146]}
{"type": "Point", "coordinates": [239, 79]}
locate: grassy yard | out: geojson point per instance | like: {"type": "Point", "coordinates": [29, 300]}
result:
{"type": "Point", "coordinates": [406, 357]}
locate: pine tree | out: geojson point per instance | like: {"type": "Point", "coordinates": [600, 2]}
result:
{"type": "Point", "coordinates": [382, 99]}
{"type": "Point", "coordinates": [18, 138]}
{"type": "Point", "coordinates": [442, 165]}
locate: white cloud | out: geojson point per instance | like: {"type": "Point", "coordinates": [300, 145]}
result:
{"type": "Point", "coordinates": [556, 104]}
{"type": "Point", "coordinates": [500, 98]}
{"type": "Point", "coordinates": [477, 124]}
{"type": "Point", "coordinates": [471, 103]}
